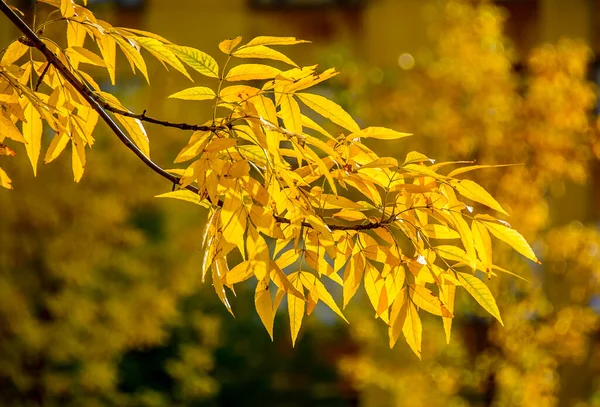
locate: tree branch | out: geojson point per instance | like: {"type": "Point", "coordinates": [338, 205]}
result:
{"type": "Point", "coordinates": [101, 107]}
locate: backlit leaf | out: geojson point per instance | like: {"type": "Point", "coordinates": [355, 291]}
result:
{"type": "Point", "coordinates": [194, 93]}
{"type": "Point", "coordinates": [227, 46]}
{"type": "Point", "coordinates": [264, 305]}
{"type": "Point", "coordinates": [329, 110]}
{"type": "Point", "coordinates": [509, 236]}
{"type": "Point", "coordinates": [266, 40]}
{"type": "Point", "coordinates": [413, 329]}
{"type": "Point", "coordinates": [196, 59]}
{"type": "Point", "coordinates": [475, 192]}
{"type": "Point", "coordinates": [32, 132]}
{"type": "Point", "coordinates": [481, 293]}
{"type": "Point", "coordinates": [262, 52]}
{"type": "Point", "coordinates": [248, 72]}
{"type": "Point", "coordinates": [184, 195]}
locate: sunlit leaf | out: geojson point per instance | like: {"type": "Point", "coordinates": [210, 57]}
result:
{"type": "Point", "coordinates": [329, 110]}
{"type": "Point", "coordinates": [481, 293]}
{"type": "Point", "coordinates": [248, 72]}
{"type": "Point", "coordinates": [194, 93]}
{"type": "Point", "coordinates": [196, 59]}
{"type": "Point", "coordinates": [508, 235]}
{"type": "Point", "coordinates": [185, 195]}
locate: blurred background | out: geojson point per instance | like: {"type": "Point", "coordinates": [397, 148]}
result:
{"type": "Point", "coordinates": [101, 303]}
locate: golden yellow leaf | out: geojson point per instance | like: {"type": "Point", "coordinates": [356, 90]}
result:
{"type": "Point", "coordinates": [266, 40]}
{"type": "Point", "coordinates": [262, 52]}
{"type": "Point", "coordinates": [290, 114]}
{"type": "Point", "coordinates": [13, 53]}
{"type": "Point", "coordinates": [108, 49]}
{"type": "Point", "coordinates": [196, 59]}
{"type": "Point", "coordinates": [194, 93]}
{"type": "Point", "coordinates": [85, 56]}
{"type": "Point", "coordinates": [352, 277]}
{"type": "Point", "coordinates": [326, 297]}
{"type": "Point", "coordinates": [248, 72]}
{"type": "Point", "coordinates": [462, 170]}
{"type": "Point", "coordinates": [162, 53]}
{"type": "Point", "coordinates": [32, 132]}
{"type": "Point", "coordinates": [475, 192]}
{"type": "Point", "coordinates": [264, 304]}
{"type": "Point", "coordinates": [219, 269]}
{"type": "Point", "coordinates": [398, 316]}
{"type": "Point", "coordinates": [450, 290]}
{"type": "Point", "coordinates": [4, 180]}
{"type": "Point", "coordinates": [220, 144]}
{"type": "Point", "coordinates": [413, 329]}
{"type": "Point", "coordinates": [434, 231]}
{"type": "Point", "coordinates": [350, 215]}
{"type": "Point", "coordinates": [483, 244]}
{"type": "Point", "coordinates": [481, 293]}
{"type": "Point", "coordinates": [78, 158]}
{"type": "Point", "coordinates": [380, 133]}
{"type": "Point", "coordinates": [10, 130]}
{"type": "Point", "coordinates": [425, 299]}
{"type": "Point", "coordinates": [507, 234]}
{"type": "Point", "coordinates": [296, 307]}
{"type": "Point", "coordinates": [185, 195]}
{"type": "Point", "coordinates": [227, 46]}
{"type": "Point", "coordinates": [133, 55]}
{"type": "Point", "coordinates": [67, 8]}
{"type": "Point", "coordinates": [329, 110]}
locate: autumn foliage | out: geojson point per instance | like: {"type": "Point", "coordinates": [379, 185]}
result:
{"type": "Point", "coordinates": [292, 206]}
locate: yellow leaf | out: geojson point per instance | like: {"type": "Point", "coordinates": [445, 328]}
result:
{"type": "Point", "coordinates": [433, 231]}
{"type": "Point", "coordinates": [329, 110]}
{"type": "Point", "coordinates": [413, 329]}
{"type": "Point", "coordinates": [295, 308]}
{"type": "Point", "coordinates": [353, 274]}
{"type": "Point", "coordinates": [428, 301]}
{"type": "Point", "coordinates": [32, 132]}
{"type": "Point", "coordinates": [220, 144]}
{"type": "Point", "coordinates": [85, 56]}
{"type": "Point", "coordinates": [290, 114]}
{"type": "Point", "coordinates": [241, 272]}
{"type": "Point", "coordinates": [136, 130]}
{"type": "Point", "coordinates": [77, 157]}
{"type": "Point", "coordinates": [196, 144]}
{"type": "Point", "coordinates": [398, 316]}
{"type": "Point", "coordinates": [475, 192]}
{"type": "Point", "coordinates": [13, 52]}
{"type": "Point", "coordinates": [450, 291]}
{"type": "Point", "coordinates": [508, 235]}
{"type": "Point", "coordinates": [481, 293]}
{"type": "Point", "coordinates": [10, 130]}
{"type": "Point", "coordinates": [483, 244]}
{"type": "Point", "coordinates": [227, 46]}
{"type": "Point", "coordinates": [196, 59]}
{"type": "Point", "coordinates": [57, 145]}
{"type": "Point", "coordinates": [4, 180]}
{"type": "Point", "coordinates": [162, 53]}
{"type": "Point", "coordinates": [248, 72]}
{"type": "Point", "coordinates": [266, 40]}
{"type": "Point", "coordinates": [133, 55]}
{"type": "Point", "coordinates": [383, 162]}
{"type": "Point", "coordinates": [466, 236]}
{"type": "Point", "coordinates": [185, 195]}
{"type": "Point", "coordinates": [309, 123]}
{"type": "Point", "coordinates": [326, 297]}
{"type": "Point", "coordinates": [380, 133]}
{"type": "Point", "coordinates": [262, 52]}
{"type": "Point", "coordinates": [108, 49]}
{"type": "Point", "coordinates": [264, 304]}
{"type": "Point", "coordinates": [67, 8]}
{"type": "Point", "coordinates": [219, 269]}
{"type": "Point", "coordinates": [350, 215]}
{"type": "Point", "coordinates": [194, 93]}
